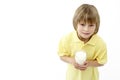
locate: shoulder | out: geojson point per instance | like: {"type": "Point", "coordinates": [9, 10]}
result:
{"type": "Point", "coordinates": [68, 37]}
{"type": "Point", "coordinates": [99, 41]}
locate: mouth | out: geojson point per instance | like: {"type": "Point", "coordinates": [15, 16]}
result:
{"type": "Point", "coordinates": [86, 33]}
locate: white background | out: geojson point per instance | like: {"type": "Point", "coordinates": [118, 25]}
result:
{"type": "Point", "coordinates": [31, 29]}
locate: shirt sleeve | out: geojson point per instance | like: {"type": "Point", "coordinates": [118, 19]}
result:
{"type": "Point", "coordinates": [63, 47]}
{"type": "Point", "coordinates": [102, 54]}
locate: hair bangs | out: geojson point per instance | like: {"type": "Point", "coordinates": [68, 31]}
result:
{"type": "Point", "coordinates": [88, 18]}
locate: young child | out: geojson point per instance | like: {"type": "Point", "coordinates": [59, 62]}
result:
{"type": "Point", "coordinates": [86, 23]}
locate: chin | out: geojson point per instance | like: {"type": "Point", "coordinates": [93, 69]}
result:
{"type": "Point", "coordinates": [86, 37]}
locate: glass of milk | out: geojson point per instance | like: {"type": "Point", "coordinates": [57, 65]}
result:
{"type": "Point", "coordinates": [80, 57]}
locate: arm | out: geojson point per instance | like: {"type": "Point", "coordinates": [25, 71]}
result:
{"type": "Point", "coordinates": [93, 63]}
{"type": "Point", "coordinates": [72, 61]}
{"type": "Point", "coordinates": [67, 59]}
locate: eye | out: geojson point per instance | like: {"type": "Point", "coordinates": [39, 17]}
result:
{"type": "Point", "coordinates": [91, 25]}
{"type": "Point", "coordinates": [82, 24]}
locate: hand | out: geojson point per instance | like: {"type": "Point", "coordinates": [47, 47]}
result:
{"type": "Point", "coordinates": [78, 66]}
{"type": "Point", "coordinates": [81, 67]}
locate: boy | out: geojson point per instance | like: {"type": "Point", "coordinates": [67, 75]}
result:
{"type": "Point", "coordinates": [86, 23]}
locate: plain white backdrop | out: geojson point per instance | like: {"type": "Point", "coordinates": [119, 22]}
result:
{"type": "Point", "coordinates": [31, 29]}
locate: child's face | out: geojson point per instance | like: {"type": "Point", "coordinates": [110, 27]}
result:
{"type": "Point", "coordinates": [85, 30]}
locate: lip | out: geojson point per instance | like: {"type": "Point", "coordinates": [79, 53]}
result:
{"type": "Point", "coordinates": [86, 33]}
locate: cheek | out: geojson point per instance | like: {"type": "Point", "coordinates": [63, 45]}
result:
{"type": "Point", "coordinates": [78, 29]}
{"type": "Point", "coordinates": [94, 30]}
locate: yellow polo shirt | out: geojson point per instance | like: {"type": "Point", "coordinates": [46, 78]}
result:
{"type": "Point", "coordinates": [95, 49]}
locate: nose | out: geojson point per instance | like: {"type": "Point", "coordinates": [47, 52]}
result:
{"type": "Point", "coordinates": [86, 28]}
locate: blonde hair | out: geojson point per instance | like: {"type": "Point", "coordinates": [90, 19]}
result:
{"type": "Point", "coordinates": [88, 14]}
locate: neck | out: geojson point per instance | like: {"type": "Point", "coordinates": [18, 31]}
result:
{"type": "Point", "coordinates": [83, 39]}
